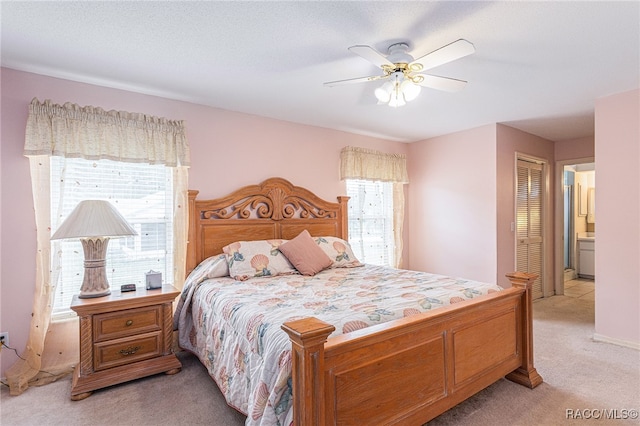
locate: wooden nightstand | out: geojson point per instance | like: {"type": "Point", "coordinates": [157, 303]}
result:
{"type": "Point", "coordinates": [124, 336]}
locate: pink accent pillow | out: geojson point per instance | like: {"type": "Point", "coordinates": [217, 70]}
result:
{"type": "Point", "coordinates": [305, 255]}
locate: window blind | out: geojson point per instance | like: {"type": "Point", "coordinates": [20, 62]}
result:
{"type": "Point", "coordinates": [141, 192]}
{"type": "Point", "coordinates": [371, 221]}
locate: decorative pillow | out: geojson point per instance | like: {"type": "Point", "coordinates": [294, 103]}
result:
{"type": "Point", "coordinates": [305, 255]}
{"type": "Point", "coordinates": [211, 267]}
{"type": "Point", "coordinates": [339, 251]}
{"type": "Point", "coordinates": [261, 258]}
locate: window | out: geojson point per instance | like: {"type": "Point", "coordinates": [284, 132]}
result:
{"type": "Point", "coordinates": [141, 192]}
{"type": "Point", "coordinates": [371, 221]}
{"type": "Point", "coordinates": [89, 132]}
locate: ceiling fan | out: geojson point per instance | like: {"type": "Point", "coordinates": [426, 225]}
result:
{"type": "Point", "coordinates": [404, 74]}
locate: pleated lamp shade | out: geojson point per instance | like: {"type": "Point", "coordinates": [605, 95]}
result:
{"type": "Point", "coordinates": [94, 218]}
{"type": "Point", "coordinates": [94, 222]}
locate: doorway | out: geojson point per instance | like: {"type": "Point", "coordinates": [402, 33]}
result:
{"type": "Point", "coordinates": [568, 244]}
{"type": "Point", "coordinates": [574, 179]}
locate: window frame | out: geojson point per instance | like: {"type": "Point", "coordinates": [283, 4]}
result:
{"type": "Point", "coordinates": [126, 261]}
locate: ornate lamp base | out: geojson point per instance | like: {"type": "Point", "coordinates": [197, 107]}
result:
{"type": "Point", "coordinates": [95, 283]}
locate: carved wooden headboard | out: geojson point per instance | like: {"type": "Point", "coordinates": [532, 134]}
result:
{"type": "Point", "coordinates": [273, 209]}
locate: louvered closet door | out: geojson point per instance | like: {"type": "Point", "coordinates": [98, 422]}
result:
{"type": "Point", "coordinates": [529, 224]}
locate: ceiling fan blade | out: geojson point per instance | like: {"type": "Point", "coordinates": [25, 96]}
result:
{"type": "Point", "coordinates": [371, 55]}
{"type": "Point", "coordinates": [440, 83]}
{"type": "Point", "coordinates": [355, 80]}
{"type": "Point", "coordinates": [452, 51]}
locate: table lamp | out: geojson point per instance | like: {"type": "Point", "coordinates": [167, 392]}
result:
{"type": "Point", "coordinates": [94, 222]}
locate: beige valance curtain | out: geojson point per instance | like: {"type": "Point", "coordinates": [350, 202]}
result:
{"type": "Point", "coordinates": [91, 133]}
{"type": "Point", "coordinates": [368, 164]}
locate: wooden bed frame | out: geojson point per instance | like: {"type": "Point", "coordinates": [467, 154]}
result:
{"type": "Point", "coordinates": [406, 371]}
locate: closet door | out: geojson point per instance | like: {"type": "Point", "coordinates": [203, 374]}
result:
{"type": "Point", "coordinates": [529, 221]}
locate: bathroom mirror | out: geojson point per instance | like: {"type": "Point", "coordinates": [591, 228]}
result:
{"type": "Point", "coordinates": [582, 200]}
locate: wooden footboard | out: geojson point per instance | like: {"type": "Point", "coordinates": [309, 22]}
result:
{"type": "Point", "coordinates": [411, 370]}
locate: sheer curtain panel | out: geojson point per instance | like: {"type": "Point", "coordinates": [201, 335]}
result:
{"type": "Point", "coordinates": [89, 133]}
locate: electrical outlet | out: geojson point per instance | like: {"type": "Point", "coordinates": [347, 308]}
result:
{"type": "Point", "coordinates": [4, 338]}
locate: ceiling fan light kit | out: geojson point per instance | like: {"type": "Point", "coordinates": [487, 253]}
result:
{"type": "Point", "coordinates": [398, 91]}
{"type": "Point", "coordinates": [402, 72]}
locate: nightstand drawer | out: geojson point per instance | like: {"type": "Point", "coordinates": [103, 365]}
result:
{"type": "Point", "coordinates": [125, 351]}
{"type": "Point", "coordinates": [113, 325]}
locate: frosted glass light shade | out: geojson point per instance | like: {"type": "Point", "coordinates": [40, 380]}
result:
{"type": "Point", "coordinates": [398, 90]}
{"type": "Point", "coordinates": [383, 93]}
{"type": "Point", "coordinates": [94, 218]}
{"type": "Point", "coordinates": [410, 90]}
{"type": "Point", "coordinates": [397, 99]}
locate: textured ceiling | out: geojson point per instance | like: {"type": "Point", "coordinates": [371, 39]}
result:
{"type": "Point", "coordinates": [538, 66]}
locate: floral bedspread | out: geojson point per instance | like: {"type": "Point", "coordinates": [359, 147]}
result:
{"type": "Point", "coordinates": [234, 326]}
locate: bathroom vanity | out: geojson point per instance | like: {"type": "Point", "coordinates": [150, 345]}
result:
{"type": "Point", "coordinates": [586, 254]}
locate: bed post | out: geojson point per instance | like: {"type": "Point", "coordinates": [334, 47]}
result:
{"type": "Point", "coordinates": [342, 220]}
{"type": "Point", "coordinates": [526, 374]}
{"type": "Point", "coordinates": [192, 233]}
{"type": "Point", "coordinates": [308, 336]}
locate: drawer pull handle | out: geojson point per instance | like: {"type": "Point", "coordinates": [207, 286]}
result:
{"type": "Point", "coordinates": [130, 350]}
{"type": "Point", "coordinates": [129, 322]}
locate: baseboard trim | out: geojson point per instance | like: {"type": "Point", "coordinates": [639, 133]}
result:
{"type": "Point", "coordinates": [619, 342]}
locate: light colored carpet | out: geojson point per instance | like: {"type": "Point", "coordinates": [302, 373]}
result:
{"type": "Point", "coordinates": [579, 375]}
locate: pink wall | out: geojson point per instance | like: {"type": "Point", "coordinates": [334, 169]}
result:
{"type": "Point", "coordinates": [452, 204]}
{"type": "Point", "coordinates": [617, 146]}
{"type": "Point", "coordinates": [228, 150]}
{"type": "Point", "coordinates": [574, 149]}
{"type": "Point", "coordinates": [462, 185]}
{"type": "Point", "coordinates": [510, 142]}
